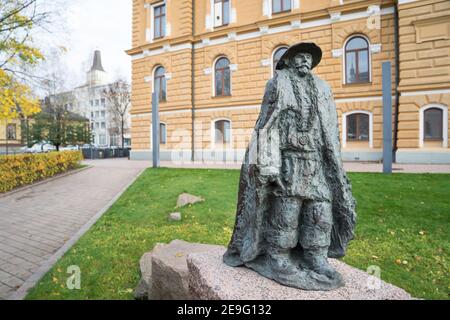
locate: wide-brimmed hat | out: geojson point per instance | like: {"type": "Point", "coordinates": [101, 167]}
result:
{"type": "Point", "coordinates": [308, 47]}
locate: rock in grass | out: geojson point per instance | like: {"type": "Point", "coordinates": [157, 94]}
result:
{"type": "Point", "coordinates": [170, 276]}
{"type": "Point", "coordinates": [175, 216]}
{"type": "Point", "coordinates": [186, 198]}
{"type": "Point", "coordinates": [142, 290]}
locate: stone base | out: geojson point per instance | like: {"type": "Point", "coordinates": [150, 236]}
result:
{"type": "Point", "coordinates": [211, 279]}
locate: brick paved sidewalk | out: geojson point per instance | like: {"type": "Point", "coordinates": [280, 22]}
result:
{"type": "Point", "coordinates": [36, 222]}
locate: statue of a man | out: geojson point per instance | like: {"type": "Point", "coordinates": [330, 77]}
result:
{"type": "Point", "coordinates": [295, 206]}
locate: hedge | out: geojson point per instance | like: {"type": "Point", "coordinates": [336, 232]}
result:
{"type": "Point", "coordinates": [23, 169]}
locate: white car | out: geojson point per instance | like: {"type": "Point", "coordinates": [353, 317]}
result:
{"type": "Point", "coordinates": [69, 148]}
{"type": "Point", "coordinates": [40, 147]}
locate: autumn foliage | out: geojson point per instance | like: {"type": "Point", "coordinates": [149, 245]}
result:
{"type": "Point", "coordinates": [23, 169]}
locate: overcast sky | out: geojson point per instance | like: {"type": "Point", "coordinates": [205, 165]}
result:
{"type": "Point", "coordinates": [82, 26]}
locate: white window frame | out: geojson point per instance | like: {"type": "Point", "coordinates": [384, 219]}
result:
{"type": "Point", "coordinates": [444, 109]}
{"type": "Point", "coordinates": [272, 73]}
{"type": "Point", "coordinates": [213, 133]}
{"type": "Point", "coordinates": [214, 76]}
{"type": "Point", "coordinates": [165, 133]}
{"type": "Point", "coordinates": [268, 5]}
{"type": "Point", "coordinates": [344, 57]}
{"type": "Point", "coordinates": [344, 126]}
{"type": "Point", "coordinates": [151, 34]}
{"type": "Point", "coordinates": [153, 80]}
{"type": "Point", "coordinates": [211, 24]}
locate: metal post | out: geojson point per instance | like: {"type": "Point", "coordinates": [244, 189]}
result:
{"type": "Point", "coordinates": [387, 117]}
{"type": "Point", "coordinates": [155, 129]}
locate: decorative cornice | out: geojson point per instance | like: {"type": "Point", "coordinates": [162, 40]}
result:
{"type": "Point", "coordinates": [234, 35]}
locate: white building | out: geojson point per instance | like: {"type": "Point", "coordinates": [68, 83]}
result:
{"type": "Point", "coordinates": [91, 103]}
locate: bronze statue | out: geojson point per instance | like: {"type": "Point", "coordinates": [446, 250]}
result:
{"type": "Point", "coordinates": [295, 206]}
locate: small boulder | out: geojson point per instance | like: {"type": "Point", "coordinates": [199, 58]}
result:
{"type": "Point", "coordinates": [175, 216]}
{"type": "Point", "coordinates": [186, 198]}
{"type": "Point", "coordinates": [166, 270]}
{"type": "Point", "coordinates": [141, 291]}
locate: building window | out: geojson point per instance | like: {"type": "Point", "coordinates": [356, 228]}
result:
{"type": "Point", "coordinates": [97, 102]}
{"type": "Point", "coordinates": [103, 102]}
{"type": "Point", "coordinates": [278, 53]}
{"type": "Point", "coordinates": [97, 125]}
{"type": "Point", "coordinates": [113, 140]}
{"type": "Point", "coordinates": [97, 114]}
{"type": "Point", "coordinates": [357, 60]}
{"type": "Point", "coordinates": [222, 77]}
{"type": "Point", "coordinates": [222, 131]}
{"type": "Point", "coordinates": [162, 133]}
{"type": "Point", "coordinates": [103, 114]}
{"type": "Point", "coordinates": [11, 133]}
{"type": "Point", "coordinates": [92, 114]}
{"type": "Point", "coordinates": [221, 12]}
{"type": "Point", "coordinates": [103, 125]}
{"type": "Point", "coordinates": [159, 21]}
{"type": "Point", "coordinates": [160, 83]}
{"type": "Point", "coordinates": [358, 127]}
{"type": "Point", "coordinates": [432, 124]}
{"type": "Point", "coordinates": [91, 103]}
{"type": "Point", "coordinates": [102, 139]}
{"type": "Point", "coordinates": [281, 6]}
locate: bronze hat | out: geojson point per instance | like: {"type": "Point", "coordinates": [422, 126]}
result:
{"type": "Point", "coordinates": [308, 47]}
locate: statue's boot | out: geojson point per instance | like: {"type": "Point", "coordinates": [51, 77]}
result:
{"type": "Point", "coordinates": [316, 260]}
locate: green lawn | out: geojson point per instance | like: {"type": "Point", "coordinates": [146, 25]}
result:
{"type": "Point", "coordinates": [403, 227]}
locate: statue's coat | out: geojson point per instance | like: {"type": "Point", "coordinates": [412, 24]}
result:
{"type": "Point", "coordinates": [263, 157]}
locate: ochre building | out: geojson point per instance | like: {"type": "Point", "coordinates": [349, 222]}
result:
{"type": "Point", "coordinates": [209, 61]}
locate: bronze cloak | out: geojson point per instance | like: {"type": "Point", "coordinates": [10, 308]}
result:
{"type": "Point", "coordinates": [247, 242]}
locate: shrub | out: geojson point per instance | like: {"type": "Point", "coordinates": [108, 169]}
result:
{"type": "Point", "coordinates": [23, 169]}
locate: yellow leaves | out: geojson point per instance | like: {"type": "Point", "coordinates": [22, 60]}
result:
{"type": "Point", "coordinates": [16, 99]}
{"type": "Point", "coordinates": [19, 170]}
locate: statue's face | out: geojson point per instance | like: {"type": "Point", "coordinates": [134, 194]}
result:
{"type": "Point", "coordinates": [303, 62]}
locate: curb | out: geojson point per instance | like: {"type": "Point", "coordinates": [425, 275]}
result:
{"type": "Point", "coordinates": [50, 179]}
{"type": "Point", "coordinates": [22, 292]}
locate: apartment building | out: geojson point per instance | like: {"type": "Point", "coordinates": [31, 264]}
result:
{"type": "Point", "coordinates": [209, 61]}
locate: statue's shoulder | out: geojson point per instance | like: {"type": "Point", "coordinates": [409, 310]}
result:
{"type": "Point", "coordinates": [322, 85]}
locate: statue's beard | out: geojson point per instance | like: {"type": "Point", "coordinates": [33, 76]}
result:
{"type": "Point", "coordinates": [303, 70]}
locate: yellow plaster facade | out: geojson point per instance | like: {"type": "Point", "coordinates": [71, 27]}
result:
{"type": "Point", "coordinates": [192, 44]}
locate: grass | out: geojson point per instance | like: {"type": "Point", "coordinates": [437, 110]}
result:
{"type": "Point", "coordinates": [403, 227]}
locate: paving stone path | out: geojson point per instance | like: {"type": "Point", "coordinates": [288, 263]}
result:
{"type": "Point", "coordinates": [36, 222]}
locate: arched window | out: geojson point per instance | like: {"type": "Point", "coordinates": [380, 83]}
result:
{"type": "Point", "coordinates": [276, 57]}
{"type": "Point", "coordinates": [222, 77]}
{"type": "Point", "coordinates": [358, 127]}
{"type": "Point", "coordinates": [160, 83]}
{"type": "Point", "coordinates": [433, 124]}
{"type": "Point", "coordinates": [222, 130]}
{"type": "Point", "coordinates": [357, 60]}
{"type": "Point", "coordinates": [162, 133]}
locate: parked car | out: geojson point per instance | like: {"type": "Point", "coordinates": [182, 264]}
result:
{"type": "Point", "coordinates": [69, 148]}
{"type": "Point", "coordinates": [40, 147]}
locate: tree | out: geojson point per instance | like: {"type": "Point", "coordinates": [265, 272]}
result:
{"type": "Point", "coordinates": [17, 54]}
{"type": "Point", "coordinates": [118, 97]}
{"type": "Point", "coordinates": [58, 126]}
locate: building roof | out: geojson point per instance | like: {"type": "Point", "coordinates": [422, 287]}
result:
{"type": "Point", "coordinates": [97, 63]}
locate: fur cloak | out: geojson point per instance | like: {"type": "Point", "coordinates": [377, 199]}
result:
{"type": "Point", "coordinates": [263, 157]}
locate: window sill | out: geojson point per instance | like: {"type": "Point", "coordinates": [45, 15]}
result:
{"type": "Point", "coordinates": [281, 12]}
{"type": "Point", "coordinates": [221, 97]}
{"type": "Point", "coordinates": [357, 84]}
